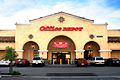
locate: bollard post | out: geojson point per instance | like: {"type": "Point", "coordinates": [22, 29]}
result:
{"type": "Point", "coordinates": [60, 61]}
{"type": "Point", "coordinates": [53, 61]}
{"type": "Point", "coordinates": [68, 61]}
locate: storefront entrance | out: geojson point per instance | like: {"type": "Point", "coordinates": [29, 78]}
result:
{"type": "Point", "coordinates": [60, 58]}
{"type": "Point", "coordinates": [91, 50]}
{"type": "Point", "coordinates": [61, 50]}
{"type": "Point", "coordinates": [30, 50]}
{"type": "Point", "coordinates": [88, 54]}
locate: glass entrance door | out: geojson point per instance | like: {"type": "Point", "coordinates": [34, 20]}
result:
{"type": "Point", "coordinates": [60, 58]}
{"type": "Point", "coordinates": [88, 54]}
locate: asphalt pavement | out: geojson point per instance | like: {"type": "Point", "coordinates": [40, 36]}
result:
{"type": "Point", "coordinates": [65, 73]}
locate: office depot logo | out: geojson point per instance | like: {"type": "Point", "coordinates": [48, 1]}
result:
{"type": "Point", "coordinates": [60, 44]}
{"type": "Point", "coordinates": [53, 28]}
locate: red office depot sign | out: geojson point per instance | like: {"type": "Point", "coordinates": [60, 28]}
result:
{"type": "Point", "coordinates": [53, 28]}
{"type": "Point", "coordinates": [60, 44]}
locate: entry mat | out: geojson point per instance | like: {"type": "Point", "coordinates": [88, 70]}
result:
{"type": "Point", "coordinates": [71, 74]}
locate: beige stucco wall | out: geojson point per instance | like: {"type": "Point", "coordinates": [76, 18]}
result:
{"type": "Point", "coordinates": [105, 55]}
{"type": "Point", "coordinates": [80, 38]}
{"type": "Point", "coordinates": [2, 53]}
{"type": "Point", "coordinates": [114, 46]}
{"type": "Point", "coordinates": [115, 54]}
{"type": "Point", "coordinates": [42, 38]}
{"type": "Point", "coordinates": [4, 45]}
{"type": "Point", "coordinates": [114, 33]}
{"type": "Point", "coordinates": [7, 32]}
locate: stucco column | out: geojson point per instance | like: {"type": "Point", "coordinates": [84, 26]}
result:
{"type": "Point", "coordinates": [43, 53]}
{"type": "Point", "coordinates": [20, 53]}
{"type": "Point", "coordinates": [105, 53]}
{"type": "Point", "coordinates": [79, 53]}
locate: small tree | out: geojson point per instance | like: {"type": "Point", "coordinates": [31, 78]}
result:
{"type": "Point", "coordinates": [10, 55]}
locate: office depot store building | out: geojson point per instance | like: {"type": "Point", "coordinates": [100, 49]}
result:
{"type": "Point", "coordinates": [61, 37]}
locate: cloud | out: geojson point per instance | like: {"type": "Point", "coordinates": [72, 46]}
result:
{"type": "Point", "coordinates": [95, 10]}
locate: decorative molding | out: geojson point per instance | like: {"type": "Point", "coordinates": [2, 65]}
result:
{"type": "Point", "coordinates": [30, 36]}
{"type": "Point", "coordinates": [79, 50]}
{"type": "Point", "coordinates": [42, 50]}
{"type": "Point", "coordinates": [61, 19]}
{"type": "Point", "coordinates": [61, 13]}
{"type": "Point", "coordinates": [91, 36]}
{"type": "Point", "coordinates": [19, 50]}
{"type": "Point", "coordinates": [105, 50]}
{"type": "Point", "coordinates": [102, 24]}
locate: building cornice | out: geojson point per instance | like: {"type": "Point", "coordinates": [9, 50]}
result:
{"type": "Point", "coordinates": [19, 50]}
{"type": "Point", "coordinates": [42, 50]}
{"type": "Point", "coordinates": [62, 13]}
{"type": "Point", "coordinates": [113, 29]}
{"type": "Point", "coordinates": [79, 50]}
{"type": "Point", "coordinates": [105, 50]}
{"type": "Point", "coordinates": [21, 24]}
{"type": "Point", "coordinates": [101, 24]}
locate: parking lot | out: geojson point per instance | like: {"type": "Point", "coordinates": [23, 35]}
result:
{"type": "Point", "coordinates": [65, 72]}
{"type": "Point", "coordinates": [43, 71]}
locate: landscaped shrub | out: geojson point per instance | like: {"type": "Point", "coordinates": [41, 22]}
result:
{"type": "Point", "coordinates": [15, 73]}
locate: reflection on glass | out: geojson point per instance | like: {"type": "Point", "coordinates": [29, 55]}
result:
{"type": "Point", "coordinates": [67, 55]}
{"type": "Point", "coordinates": [54, 56]}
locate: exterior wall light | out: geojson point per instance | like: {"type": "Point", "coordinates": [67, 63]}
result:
{"type": "Point", "coordinates": [33, 46]}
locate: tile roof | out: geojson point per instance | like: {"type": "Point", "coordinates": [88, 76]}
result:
{"type": "Point", "coordinates": [63, 13]}
{"type": "Point", "coordinates": [113, 39]}
{"type": "Point", "coordinates": [7, 39]}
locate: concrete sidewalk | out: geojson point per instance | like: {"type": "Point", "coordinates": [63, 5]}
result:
{"type": "Point", "coordinates": [62, 78]}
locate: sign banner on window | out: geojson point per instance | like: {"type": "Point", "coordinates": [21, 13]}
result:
{"type": "Point", "coordinates": [60, 45]}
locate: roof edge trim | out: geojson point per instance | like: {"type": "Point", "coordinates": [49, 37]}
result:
{"type": "Point", "coordinates": [61, 13]}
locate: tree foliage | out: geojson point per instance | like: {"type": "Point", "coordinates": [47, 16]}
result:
{"type": "Point", "coordinates": [10, 54]}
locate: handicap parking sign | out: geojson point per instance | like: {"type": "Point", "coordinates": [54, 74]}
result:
{"type": "Point", "coordinates": [81, 53]}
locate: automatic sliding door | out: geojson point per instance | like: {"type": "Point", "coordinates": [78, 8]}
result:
{"type": "Point", "coordinates": [61, 58]}
{"type": "Point", "coordinates": [54, 58]}
{"type": "Point", "coordinates": [67, 58]}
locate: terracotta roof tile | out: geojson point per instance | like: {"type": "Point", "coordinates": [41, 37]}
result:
{"type": "Point", "coordinates": [7, 39]}
{"type": "Point", "coordinates": [113, 39]}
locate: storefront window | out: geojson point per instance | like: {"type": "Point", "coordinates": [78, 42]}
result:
{"type": "Point", "coordinates": [36, 53]}
{"type": "Point", "coordinates": [54, 56]}
{"type": "Point", "coordinates": [67, 55]}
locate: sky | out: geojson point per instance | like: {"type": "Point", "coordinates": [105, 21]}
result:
{"type": "Point", "coordinates": [21, 11]}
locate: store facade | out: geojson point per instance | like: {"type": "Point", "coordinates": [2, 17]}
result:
{"type": "Point", "coordinates": [60, 38]}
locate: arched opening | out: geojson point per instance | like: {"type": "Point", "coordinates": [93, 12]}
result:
{"type": "Point", "coordinates": [91, 49]}
{"type": "Point", "coordinates": [61, 50]}
{"type": "Point", "coordinates": [30, 50]}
